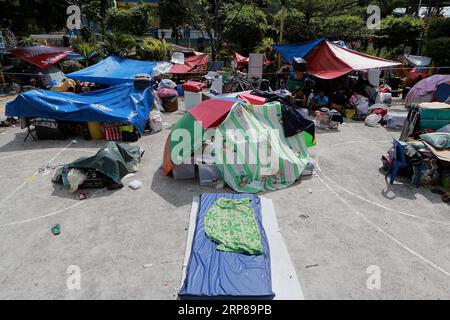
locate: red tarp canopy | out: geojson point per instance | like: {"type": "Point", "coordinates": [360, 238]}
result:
{"type": "Point", "coordinates": [41, 56]}
{"type": "Point", "coordinates": [241, 60]}
{"type": "Point", "coordinates": [329, 61]}
{"type": "Point", "coordinates": [211, 113]}
{"type": "Point", "coordinates": [193, 64]}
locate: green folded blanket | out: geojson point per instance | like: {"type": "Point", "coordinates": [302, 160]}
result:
{"type": "Point", "coordinates": [440, 140]}
{"type": "Point", "coordinates": [231, 223]}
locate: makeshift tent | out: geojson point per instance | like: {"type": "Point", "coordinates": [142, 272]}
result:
{"type": "Point", "coordinates": [243, 61]}
{"type": "Point", "coordinates": [327, 60]}
{"type": "Point", "coordinates": [424, 90]}
{"type": "Point", "coordinates": [41, 56]}
{"type": "Point", "coordinates": [192, 65]}
{"type": "Point", "coordinates": [121, 103]}
{"type": "Point", "coordinates": [78, 57]}
{"type": "Point", "coordinates": [418, 61]}
{"type": "Point", "coordinates": [113, 71]}
{"type": "Point", "coordinates": [50, 74]}
{"type": "Point", "coordinates": [296, 50]}
{"type": "Point", "coordinates": [289, 155]}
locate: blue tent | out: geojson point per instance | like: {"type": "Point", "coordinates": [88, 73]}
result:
{"type": "Point", "coordinates": [113, 71]}
{"type": "Point", "coordinates": [296, 50]}
{"type": "Point", "coordinates": [122, 103]}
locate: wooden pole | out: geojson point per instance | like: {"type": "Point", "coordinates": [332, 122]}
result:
{"type": "Point", "coordinates": [283, 12]}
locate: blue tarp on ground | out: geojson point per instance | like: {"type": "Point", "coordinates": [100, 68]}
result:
{"type": "Point", "coordinates": [296, 50]}
{"type": "Point", "coordinates": [213, 274]}
{"type": "Point", "coordinates": [113, 71]}
{"type": "Point", "coordinates": [121, 103]}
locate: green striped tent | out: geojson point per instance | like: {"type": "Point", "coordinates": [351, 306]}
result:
{"type": "Point", "coordinates": [284, 162]}
{"type": "Point", "coordinates": [250, 148]}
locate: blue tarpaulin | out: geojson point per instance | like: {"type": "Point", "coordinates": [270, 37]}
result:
{"type": "Point", "coordinates": [213, 274]}
{"type": "Point", "coordinates": [121, 103]}
{"type": "Point", "coordinates": [296, 50]}
{"type": "Point", "coordinates": [113, 71]}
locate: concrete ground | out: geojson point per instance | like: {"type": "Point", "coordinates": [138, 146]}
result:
{"type": "Point", "coordinates": [130, 244]}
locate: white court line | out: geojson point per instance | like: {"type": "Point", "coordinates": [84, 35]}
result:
{"type": "Point", "coordinates": [367, 200]}
{"type": "Point", "coordinates": [380, 205]}
{"type": "Point", "coordinates": [398, 242]}
{"type": "Point", "coordinates": [37, 171]}
{"type": "Point", "coordinates": [50, 214]}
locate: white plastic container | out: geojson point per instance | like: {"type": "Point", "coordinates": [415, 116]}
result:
{"type": "Point", "coordinates": [183, 171]}
{"type": "Point", "coordinates": [208, 174]}
{"type": "Point", "coordinates": [191, 99]}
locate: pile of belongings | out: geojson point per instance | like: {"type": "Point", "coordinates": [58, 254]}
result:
{"type": "Point", "coordinates": [167, 95]}
{"type": "Point", "coordinates": [230, 254]}
{"type": "Point", "coordinates": [328, 119]}
{"type": "Point", "coordinates": [105, 169]}
{"type": "Point", "coordinates": [377, 113]}
{"type": "Point", "coordinates": [253, 147]}
{"type": "Point", "coordinates": [425, 116]}
{"type": "Point", "coordinates": [432, 89]}
{"type": "Point", "coordinates": [119, 104]}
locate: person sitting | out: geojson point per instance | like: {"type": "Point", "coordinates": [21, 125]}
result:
{"type": "Point", "coordinates": [319, 101]}
{"type": "Point", "coordinates": [339, 100]}
{"type": "Point", "coordinates": [299, 98]}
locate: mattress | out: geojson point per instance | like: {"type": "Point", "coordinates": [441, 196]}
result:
{"type": "Point", "coordinates": [211, 273]}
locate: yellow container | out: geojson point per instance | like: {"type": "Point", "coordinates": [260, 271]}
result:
{"type": "Point", "coordinates": [349, 113]}
{"type": "Point", "coordinates": [95, 130]}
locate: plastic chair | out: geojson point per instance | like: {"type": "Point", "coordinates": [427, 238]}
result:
{"type": "Point", "coordinates": [398, 160]}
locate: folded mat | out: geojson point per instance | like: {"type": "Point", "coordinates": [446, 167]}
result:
{"type": "Point", "coordinates": [213, 273]}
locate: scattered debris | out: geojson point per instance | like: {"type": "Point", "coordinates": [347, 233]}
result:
{"type": "Point", "coordinates": [84, 195]}
{"type": "Point", "coordinates": [56, 229]}
{"type": "Point", "coordinates": [130, 175]}
{"type": "Point", "coordinates": [303, 216]}
{"type": "Point", "coordinates": [135, 184]}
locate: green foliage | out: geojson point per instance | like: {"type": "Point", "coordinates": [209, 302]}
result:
{"type": "Point", "coordinates": [118, 44]}
{"type": "Point", "coordinates": [439, 49]}
{"type": "Point", "coordinates": [153, 49]}
{"type": "Point", "coordinates": [399, 31]}
{"type": "Point", "coordinates": [294, 25]}
{"type": "Point", "coordinates": [28, 42]}
{"type": "Point", "coordinates": [245, 25]}
{"type": "Point", "coordinates": [344, 27]}
{"type": "Point", "coordinates": [85, 49]}
{"type": "Point", "coordinates": [130, 46]}
{"type": "Point", "coordinates": [134, 21]}
{"type": "Point", "coordinates": [438, 27]}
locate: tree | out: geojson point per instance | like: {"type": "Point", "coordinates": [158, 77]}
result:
{"type": "Point", "coordinates": [85, 49]}
{"type": "Point", "coordinates": [173, 14]}
{"type": "Point", "coordinates": [397, 32]}
{"type": "Point", "coordinates": [244, 25]}
{"type": "Point", "coordinates": [118, 44]}
{"type": "Point", "coordinates": [437, 44]}
{"type": "Point", "coordinates": [154, 50]}
{"type": "Point", "coordinates": [209, 16]}
{"type": "Point", "coordinates": [135, 21]}
{"type": "Point", "coordinates": [344, 27]}
{"type": "Point", "coordinates": [304, 18]}
{"type": "Point", "coordinates": [26, 16]}
{"type": "Point", "coordinates": [294, 25]}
